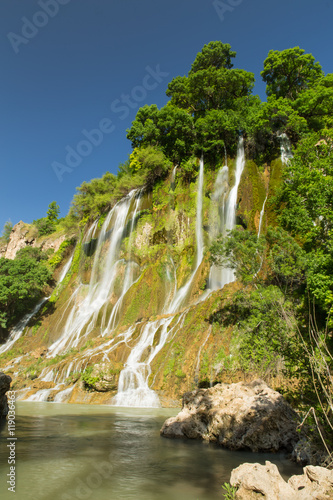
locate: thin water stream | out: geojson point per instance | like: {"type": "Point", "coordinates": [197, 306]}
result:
{"type": "Point", "coordinates": [67, 452]}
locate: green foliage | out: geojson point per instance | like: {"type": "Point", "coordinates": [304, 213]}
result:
{"type": "Point", "coordinates": [31, 253]}
{"type": "Point", "coordinates": [289, 72]}
{"type": "Point", "coordinates": [242, 251]}
{"type": "Point", "coordinates": [266, 337]}
{"type": "Point", "coordinates": [215, 54]}
{"type": "Point", "coordinates": [53, 212]}
{"type": "Point", "coordinates": [87, 378]}
{"type": "Point", "coordinates": [305, 201]}
{"type": "Point", "coordinates": [94, 197]}
{"type": "Point", "coordinates": [45, 226]}
{"type": "Point", "coordinates": [229, 491]}
{"type": "Point", "coordinates": [48, 225]}
{"type": "Point", "coordinates": [58, 257]}
{"type": "Point", "coordinates": [21, 285]}
{"type": "Point", "coordinates": [7, 229]}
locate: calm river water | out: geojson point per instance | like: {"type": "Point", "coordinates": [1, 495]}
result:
{"type": "Point", "coordinates": [83, 452]}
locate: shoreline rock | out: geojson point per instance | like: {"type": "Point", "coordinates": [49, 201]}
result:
{"type": "Point", "coordinates": [236, 416]}
{"type": "Point", "coordinates": [5, 381]}
{"type": "Point", "coordinates": [264, 481]}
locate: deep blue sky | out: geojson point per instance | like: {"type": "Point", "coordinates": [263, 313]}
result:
{"type": "Point", "coordinates": [92, 52]}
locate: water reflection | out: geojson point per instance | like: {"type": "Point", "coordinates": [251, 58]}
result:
{"type": "Point", "coordinates": [80, 452]}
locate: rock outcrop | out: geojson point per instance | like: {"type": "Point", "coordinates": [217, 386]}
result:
{"type": "Point", "coordinates": [23, 235]}
{"type": "Point", "coordinates": [264, 481]}
{"type": "Point", "coordinates": [19, 238]}
{"type": "Point", "coordinates": [236, 416]}
{"type": "Point", "coordinates": [104, 377]}
{"type": "Point", "coordinates": [5, 381]}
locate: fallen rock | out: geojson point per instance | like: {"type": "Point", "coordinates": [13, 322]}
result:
{"type": "Point", "coordinates": [5, 381]}
{"type": "Point", "coordinates": [264, 481]}
{"type": "Point", "coordinates": [236, 416]}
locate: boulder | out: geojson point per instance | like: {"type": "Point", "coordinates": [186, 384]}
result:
{"type": "Point", "coordinates": [104, 377]}
{"type": "Point", "coordinates": [5, 381]}
{"type": "Point", "coordinates": [236, 416]}
{"type": "Point", "coordinates": [264, 481]}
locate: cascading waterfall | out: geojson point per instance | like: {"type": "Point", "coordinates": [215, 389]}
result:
{"type": "Point", "coordinates": [85, 311]}
{"type": "Point", "coordinates": [262, 211]}
{"type": "Point", "coordinates": [221, 275]}
{"type": "Point", "coordinates": [285, 148]}
{"type": "Point", "coordinates": [221, 189]}
{"type": "Point", "coordinates": [65, 269]}
{"type": "Point", "coordinates": [18, 329]}
{"type": "Point", "coordinates": [183, 292]}
{"type": "Point", "coordinates": [173, 176]}
{"type": "Point", "coordinates": [133, 387]}
{"type": "Point", "coordinates": [129, 273]}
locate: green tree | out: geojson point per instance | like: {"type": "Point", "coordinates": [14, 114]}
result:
{"type": "Point", "coordinates": [53, 212]}
{"type": "Point", "coordinates": [242, 251]}
{"type": "Point", "coordinates": [305, 202]}
{"type": "Point", "coordinates": [7, 229]}
{"type": "Point", "coordinates": [215, 54]}
{"type": "Point", "coordinates": [22, 282]}
{"type": "Point", "coordinates": [289, 72]}
{"type": "Point", "coordinates": [94, 197]}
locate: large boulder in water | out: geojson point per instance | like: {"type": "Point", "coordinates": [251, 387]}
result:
{"type": "Point", "coordinates": [5, 381]}
{"type": "Point", "coordinates": [236, 416]}
{"type": "Point", "coordinates": [264, 481]}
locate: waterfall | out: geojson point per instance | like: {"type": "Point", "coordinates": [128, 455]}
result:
{"type": "Point", "coordinates": [220, 275]}
{"type": "Point", "coordinates": [285, 148]}
{"type": "Point", "coordinates": [182, 293]}
{"type": "Point", "coordinates": [198, 222]}
{"type": "Point", "coordinates": [262, 215]}
{"type": "Point", "coordinates": [85, 311]}
{"type": "Point", "coordinates": [173, 176]}
{"type": "Point", "coordinates": [18, 329]}
{"type": "Point", "coordinates": [65, 269]}
{"type": "Point", "coordinates": [129, 273]}
{"type": "Point", "coordinates": [133, 387]}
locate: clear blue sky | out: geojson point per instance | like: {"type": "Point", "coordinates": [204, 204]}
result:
{"type": "Point", "coordinates": [62, 77]}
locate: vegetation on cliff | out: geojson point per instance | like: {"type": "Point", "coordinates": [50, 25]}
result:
{"type": "Point", "coordinates": [264, 324]}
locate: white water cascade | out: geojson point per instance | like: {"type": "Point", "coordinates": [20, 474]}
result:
{"type": "Point", "coordinates": [285, 148]}
{"type": "Point", "coordinates": [18, 329]}
{"type": "Point", "coordinates": [173, 176]}
{"type": "Point", "coordinates": [221, 275]}
{"type": "Point", "coordinates": [262, 211]}
{"type": "Point", "coordinates": [133, 387]}
{"type": "Point", "coordinates": [88, 301]}
{"type": "Point", "coordinates": [182, 293]}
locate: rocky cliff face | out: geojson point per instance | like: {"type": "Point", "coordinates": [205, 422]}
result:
{"type": "Point", "coordinates": [134, 317]}
{"type": "Point", "coordinates": [23, 235]}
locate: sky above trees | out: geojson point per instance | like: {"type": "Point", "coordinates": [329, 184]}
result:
{"type": "Point", "coordinates": [75, 73]}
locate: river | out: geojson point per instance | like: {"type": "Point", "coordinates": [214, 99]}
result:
{"type": "Point", "coordinates": [66, 452]}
